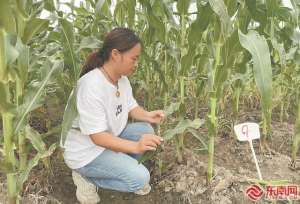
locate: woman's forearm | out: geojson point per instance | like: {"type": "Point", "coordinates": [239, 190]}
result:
{"type": "Point", "coordinates": [117, 144]}
{"type": "Point", "coordinates": [139, 113]}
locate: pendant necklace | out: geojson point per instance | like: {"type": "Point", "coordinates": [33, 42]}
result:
{"type": "Point", "coordinates": [112, 81]}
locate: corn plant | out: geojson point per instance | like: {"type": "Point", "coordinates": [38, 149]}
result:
{"type": "Point", "coordinates": [217, 35]}
{"type": "Point", "coordinates": [19, 95]}
{"type": "Point", "coordinates": [259, 50]}
{"type": "Point", "coordinates": [296, 137]}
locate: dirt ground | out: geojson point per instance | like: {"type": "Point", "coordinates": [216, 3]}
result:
{"type": "Point", "coordinates": [176, 183]}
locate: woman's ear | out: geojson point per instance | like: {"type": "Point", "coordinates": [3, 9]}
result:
{"type": "Point", "coordinates": [115, 54]}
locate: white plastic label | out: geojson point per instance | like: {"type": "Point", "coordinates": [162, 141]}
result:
{"type": "Point", "coordinates": [247, 131]}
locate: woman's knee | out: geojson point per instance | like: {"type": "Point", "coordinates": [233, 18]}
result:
{"type": "Point", "coordinates": [141, 178]}
{"type": "Point", "coordinates": [147, 128]}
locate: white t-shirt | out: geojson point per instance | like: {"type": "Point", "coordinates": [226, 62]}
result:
{"type": "Point", "coordinates": [99, 109]}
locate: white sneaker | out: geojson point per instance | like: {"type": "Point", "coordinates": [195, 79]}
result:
{"type": "Point", "coordinates": [144, 191]}
{"type": "Point", "coordinates": [86, 192]}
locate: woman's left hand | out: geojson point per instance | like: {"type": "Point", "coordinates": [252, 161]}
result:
{"type": "Point", "coordinates": [155, 116]}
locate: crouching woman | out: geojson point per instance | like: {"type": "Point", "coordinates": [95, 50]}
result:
{"type": "Point", "coordinates": [101, 148]}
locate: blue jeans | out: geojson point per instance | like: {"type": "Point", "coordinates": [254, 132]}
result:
{"type": "Point", "coordinates": [116, 170]}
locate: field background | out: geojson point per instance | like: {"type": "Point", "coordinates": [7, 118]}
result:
{"type": "Point", "coordinates": [210, 64]}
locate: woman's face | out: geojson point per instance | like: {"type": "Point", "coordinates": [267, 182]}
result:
{"type": "Point", "coordinates": [127, 61]}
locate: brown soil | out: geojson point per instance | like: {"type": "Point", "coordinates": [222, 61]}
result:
{"type": "Point", "coordinates": [183, 183]}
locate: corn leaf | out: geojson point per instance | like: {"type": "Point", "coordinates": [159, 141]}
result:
{"type": "Point", "coordinates": [34, 100]}
{"type": "Point", "coordinates": [23, 60]}
{"type": "Point", "coordinates": [172, 108]}
{"type": "Point", "coordinates": [220, 9]}
{"type": "Point", "coordinates": [3, 57]}
{"type": "Point", "coordinates": [7, 20]}
{"type": "Point", "coordinates": [200, 24]}
{"type": "Point", "coordinates": [182, 126]}
{"type": "Point", "coordinates": [35, 139]}
{"type": "Point", "coordinates": [130, 4]}
{"type": "Point", "coordinates": [99, 5]}
{"type": "Point", "coordinates": [5, 105]}
{"type": "Point", "coordinates": [187, 61]}
{"type": "Point", "coordinates": [24, 174]}
{"type": "Point", "coordinates": [37, 142]}
{"type": "Point", "coordinates": [196, 134]}
{"type": "Point", "coordinates": [258, 47]}
{"type": "Point", "coordinates": [90, 42]}
{"type": "Point", "coordinates": [69, 115]}
{"type": "Point", "coordinates": [183, 6]}
{"type": "Point", "coordinates": [8, 54]}
{"type": "Point", "coordinates": [296, 11]}
{"type": "Point", "coordinates": [33, 27]}
{"type": "Point", "coordinates": [6, 167]}
{"type": "Point", "coordinates": [69, 54]}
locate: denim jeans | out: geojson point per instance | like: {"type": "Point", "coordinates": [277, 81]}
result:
{"type": "Point", "coordinates": [116, 170]}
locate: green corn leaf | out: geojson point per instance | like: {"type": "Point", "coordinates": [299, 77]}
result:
{"type": "Point", "coordinates": [172, 108]}
{"type": "Point", "coordinates": [146, 156]}
{"type": "Point", "coordinates": [257, 10]}
{"type": "Point", "coordinates": [296, 11]}
{"type": "Point", "coordinates": [158, 25]}
{"type": "Point", "coordinates": [103, 8]}
{"type": "Point", "coordinates": [196, 134]}
{"type": "Point", "coordinates": [24, 175]}
{"type": "Point", "coordinates": [23, 60]}
{"type": "Point", "coordinates": [69, 115]}
{"type": "Point", "coordinates": [183, 6]}
{"type": "Point", "coordinates": [21, 17]}
{"type": "Point", "coordinates": [269, 182]}
{"type": "Point", "coordinates": [11, 51]}
{"type": "Point", "coordinates": [119, 13]}
{"type": "Point", "coordinates": [6, 167]}
{"type": "Point", "coordinates": [70, 61]}
{"type": "Point", "coordinates": [5, 105]}
{"type": "Point", "coordinates": [50, 151]}
{"type": "Point", "coordinates": [33, 27]}
{"type": "Point", "coordinates": [279, 47]}
{"type": "Point", "coordinates": [99, 5]}
{"type": "Point", "coordinates": [36, 96]}
{"type": "Point", "coordinates": [49, 5]}
{"type": "Point", "coordinates": [3, 54]}
{"type": "Point", "coordinates": [200, 24]}
{"type": "Point", "coordinates": [168, 12]}
{"type": "Point", "coordinates": [220, 9]}
{"type": "Point", "coordinates": [7, 20]}
{"type": "Point", "coordinates": [272, 6]}
{"type": "Point", "coordinates": [35, 139]}
{"type": "Point", "coordinates": [54, 36]}
{"type": "Point", "coordinates": [232, 6]}
{"type": "Point", "coordinates": [90, 42]}
{"type": "Point", "coordinates": [187, 60]}
{"type": "Point", "coordinates": [32, 163]}
{"type": "Point", "coordinates": [258, 47]}
{"type": "Point", "coordinates": [285, 14]}
{"type": "Point", "coordinates": [182, 126]}
{"type": "Point", "coordinates": [8, 54]}
{"type": "Point", "coordinates": [130, 4]}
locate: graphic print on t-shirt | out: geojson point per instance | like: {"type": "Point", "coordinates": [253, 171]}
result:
{"type": "Point", "coordinates": [119, 110]}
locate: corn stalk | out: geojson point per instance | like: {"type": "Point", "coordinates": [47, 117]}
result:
{"type": "Point", "coordinates": [19, 97]}
{"type": "Point", "coordinates": [296, 137]}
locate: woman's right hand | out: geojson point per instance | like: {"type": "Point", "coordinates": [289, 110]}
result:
{"type": "Point", "coordinates": [148, 142]}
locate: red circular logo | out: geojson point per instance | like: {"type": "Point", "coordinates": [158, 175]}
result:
{"type": "Point", "coordinates": [254, 192]}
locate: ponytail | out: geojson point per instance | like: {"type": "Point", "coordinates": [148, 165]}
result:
{"type": "Point", "coordinates": [94, 60]}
